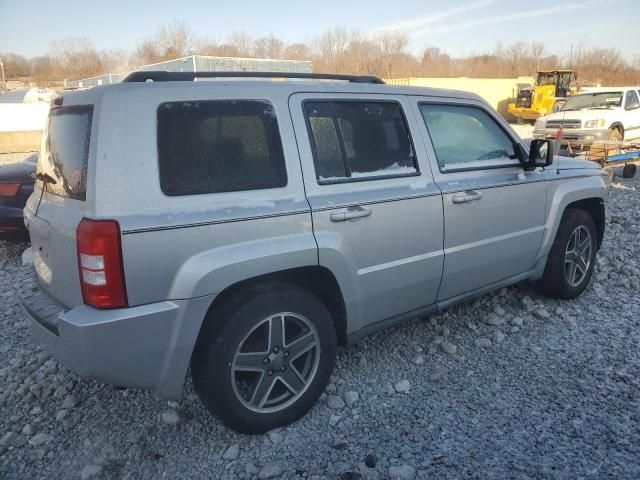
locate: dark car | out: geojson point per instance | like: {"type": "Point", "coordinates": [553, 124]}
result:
{"type": "Point", "coordinates": [16, 184]}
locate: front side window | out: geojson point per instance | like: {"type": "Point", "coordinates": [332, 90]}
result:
{"type": "Point", "coordinates": [467, 138]}
{"type": "Point", "coordinates": [219, 146]}
{"type": "Point", "coordinates": [67, 150]}
{"type": "Point", "coordinates": [359, 140]}
{"type": "Point", "coordinates": [632, 99]}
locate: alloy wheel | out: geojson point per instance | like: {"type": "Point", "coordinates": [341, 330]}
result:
{"type": "Point", "coordinates": [275, 362]}
{"type": "Point", "coordinates": [577, 258]}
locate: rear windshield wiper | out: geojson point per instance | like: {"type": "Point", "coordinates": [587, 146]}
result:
{"type": "Point", "coordinates": [45, 178]}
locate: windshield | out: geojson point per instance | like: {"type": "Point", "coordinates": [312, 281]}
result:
{"type": "Point", "coordinates": [593, 100]}
{"type": "Point", "coordinates": [546, 79]}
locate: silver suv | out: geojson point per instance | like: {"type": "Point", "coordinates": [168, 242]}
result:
{"type": "Point", "coordinates": [244, 228]}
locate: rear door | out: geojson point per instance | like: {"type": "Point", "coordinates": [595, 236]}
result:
{"type": "Point", "coordinates": [57, 205]}
{"type": "Point", "coordinates": [377, 214]}
{"type": "Point", "coordinates": [494, 210]}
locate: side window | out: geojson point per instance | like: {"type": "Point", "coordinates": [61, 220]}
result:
{"type": "Point", "coordinates": [467, 138]}
{"type": "Point", "coordinates": [219, 146]}
{"type": "Point", "coordinates": [631, 98]}
{"type": "Point", "coordinates": [359, 140]}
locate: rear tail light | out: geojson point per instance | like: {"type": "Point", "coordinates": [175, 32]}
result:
{"type": "Point", "coordinates": [100, 263]}
{"type": "Point", "coordinates": [9, 189]}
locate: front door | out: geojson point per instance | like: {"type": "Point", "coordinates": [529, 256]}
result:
{"type": "Point", "coordinates": [632, 115]}
{"type": "Point", "coordinates": [494, 210]}
{"type": "Point", "coordinates": [377, 214]}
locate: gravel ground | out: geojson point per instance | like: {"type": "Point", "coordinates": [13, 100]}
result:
{"type": "Point", "coordinates": [511, 385]}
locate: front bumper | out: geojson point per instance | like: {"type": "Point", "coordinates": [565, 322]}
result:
{"type": "Point", "coordinates": [147, 346]}
{"type": "Point", "coordinates": [576, 138]}
{"type": "Point", "coordinates": [526, 113]}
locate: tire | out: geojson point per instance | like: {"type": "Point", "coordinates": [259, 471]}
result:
{"type": "Point", "coordinates": [615, 135]}
{"type": "Point", "coordinates": [629, 170]}
{"type": "Point", "coordinates": [558, 280]}
{"type": "Point", "coordinates": [237, 387]}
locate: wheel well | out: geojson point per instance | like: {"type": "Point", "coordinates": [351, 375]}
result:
{"type": "Point", "coordinates": [315, 279]}
{"type": "Point", "coordinates": [618, 126]}
{"type": "Point", "coordinates": [595, 208]}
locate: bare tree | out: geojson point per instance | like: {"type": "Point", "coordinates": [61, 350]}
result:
{"type": "Point", "coordinates": [76, 58]}
{"type": "Point", "coordinates": [242, 43]}
{"type": "Point", "coordinates": [174, 40]}
{"type": "Point", "coordinates": [297, 51]}
{"type": "Point", "coordinates": [337, 50]}
{"type": "Point", "coordinates": [15, 66]}
{"type": "Point", "coordinates": [268, 47]}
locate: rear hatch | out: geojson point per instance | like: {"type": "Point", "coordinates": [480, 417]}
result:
{"type": "Point", "coordinates": [58, 203]}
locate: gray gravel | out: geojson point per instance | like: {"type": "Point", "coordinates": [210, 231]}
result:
{"type": "Point", "coordinates": [549, 390]}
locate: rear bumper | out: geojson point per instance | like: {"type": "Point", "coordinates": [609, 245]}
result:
{"type": "Point", "coordinates": [575, 137]}
{"type": "Point", "coordinates": [147, 346]}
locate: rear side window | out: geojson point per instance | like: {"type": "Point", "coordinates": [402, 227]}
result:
{"type": "Point", "coordinates": [219, 146]}
{"type": "Point", "coordinates": [67, 150]}
{"type": "Point", "coordinates": [359, 140]}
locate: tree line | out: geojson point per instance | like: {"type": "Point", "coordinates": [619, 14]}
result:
{"type": "Point", "coordinates": [339, 50]}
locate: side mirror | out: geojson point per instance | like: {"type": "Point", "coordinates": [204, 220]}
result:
{"type": "Point", "coordinates": [540, 154]}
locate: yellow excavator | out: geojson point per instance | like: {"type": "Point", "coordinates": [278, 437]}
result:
{"type": "Point", "coordinates": [549, 93]}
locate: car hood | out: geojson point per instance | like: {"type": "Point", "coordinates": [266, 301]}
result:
{"type": "Point", "coordinates": [19, 172]}
{"type": "Point", "coordinates": [591, 114]}
{"type": "Point", "coordinates": [570, 163]}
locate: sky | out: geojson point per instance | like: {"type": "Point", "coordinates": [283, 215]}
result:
{"type": "Point", "coordinates": [460, 28]}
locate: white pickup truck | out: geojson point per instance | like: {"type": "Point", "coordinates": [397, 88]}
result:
{"type": "Point", "coordinates": [604, 113]}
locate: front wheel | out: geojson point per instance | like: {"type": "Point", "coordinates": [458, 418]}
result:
{"type": "Point", "coordinates": [264, 357]}
{"type": "Point", "coordinates": [572, 256]}
{"type": "Point", "coordinates": [615, 135]}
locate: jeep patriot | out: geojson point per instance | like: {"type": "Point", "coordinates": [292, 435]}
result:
{"type": "Point", "coordinates": [242, 228]}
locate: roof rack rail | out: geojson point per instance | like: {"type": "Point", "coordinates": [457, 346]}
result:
{"type": "Point", "coordinates": [163, 76]}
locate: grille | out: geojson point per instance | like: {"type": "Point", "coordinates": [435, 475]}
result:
{"type": "Point", "coordinates": [564, 124]}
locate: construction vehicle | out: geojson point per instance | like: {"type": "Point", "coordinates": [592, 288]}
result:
{"type": "Point", "coordinates": [547, 95]}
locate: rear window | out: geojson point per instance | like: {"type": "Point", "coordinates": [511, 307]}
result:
{"type": "Point", "coordinates": [219, 146]}
{"type": "Point", "coordinates": [67, 150]}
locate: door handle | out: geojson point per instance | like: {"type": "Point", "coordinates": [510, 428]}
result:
{"type": "Point", "coordinates": [349, 214]}
{"type": "Point", "coordinates": [467, 196]}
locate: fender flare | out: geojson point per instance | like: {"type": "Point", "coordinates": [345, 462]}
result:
{"type": "Point", "coordinates": [569, 192]}
{"type": "Point", "coordinates": [212, 271]}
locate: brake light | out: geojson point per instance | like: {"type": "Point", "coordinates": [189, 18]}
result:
{"type": "Point", "coordinates": [100, 263]}
{"type": "Point", "coordinates": [9, 189]}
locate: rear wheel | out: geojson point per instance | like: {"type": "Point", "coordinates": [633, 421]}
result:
{"type": "Point", "coordinates": [572, 256]}
{"type": "Point", "coordinates": [264, 357]}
